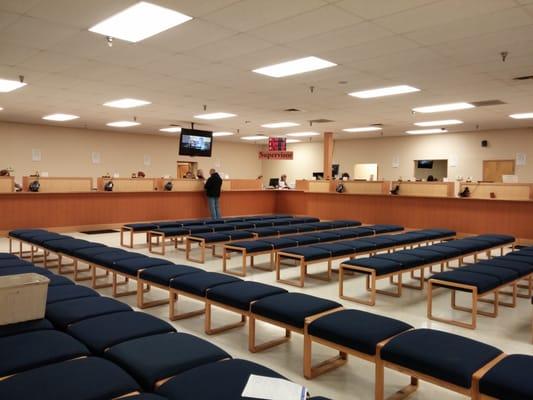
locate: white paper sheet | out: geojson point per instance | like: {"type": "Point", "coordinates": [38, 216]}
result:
{"type": "Point", "coordinates": [266, 388]}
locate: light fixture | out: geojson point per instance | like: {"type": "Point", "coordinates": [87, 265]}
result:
{"type": "Point", "coordinates": [522, 116]}
{"type": "Point", "coordinates": [255, 137]}
{"type": "Point", "coordinates": [7, 85]}
{"type": "Point", "coordinates": [275, 125]}
{"type": "Point", "coordinates": [139, 22]}
{"type": "Point", "coordinates": [60, 117]}
{"type": "Point", "coordinates": [171, 129]}
{"type": "Point", "coordinates": [439, 123]}
{"type": "Point", "coordinates": [216, 115]}
{"type": "Point", "coordinates": [1, 108]}
{"type": "Point", "coordinates": [299, 66]}
{"type": "Point", "coordinates": [363, 129]}
{"type": "Point", "coordinates": [444, 107]}
{"type": "Point", "coordinates": [386, 91]}
{"type": "Point", "coordinates": [302, 134]}
{"type": "Point", "coordinates": [426, 131]}
{"type": "Point", "coordinates": [126, 103]}
{"type": "Point", "coordinates": [123, 124]}
{"type": "Point", "coordinates": [219, 134]}
{"type": "Point", "coordinates": [292, 141]}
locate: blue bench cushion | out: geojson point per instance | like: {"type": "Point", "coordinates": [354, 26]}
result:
{"type": "Point", "coordinates": [287, 230]}
{"type": "Point", "coordinates": [319, 226]}
{"type": "Point", "coordinates": [426, 254]}
{"type": "Point", "coordinates": [252, 246]}
{"type": "Point", "coordinates": [382, 241]}
{"type": "Point", "coordinates": [280, 243]}
{"type": "Point", "coordinates": [358, 330]}
{"type": "Point", "coordinates": [162, 275]}
{"type": "Point", "coordinates": [495, 238]}
{"type": "Point", "coordinates": [69, 246]}
{"type": "Point", "coordinates": [292, 308]}
{"type": "Point", "coordinates": [406, 260]}
{"type": "Point", "coordinates": [132, 266]}
{"type": "Point", "coordinates": [264, 231]}
{"type": "Point", "coordinates": [442, 355]}
{"type": "Point", "coordinates": [197, 229]}
{"type": "Point", "coordinates": [522, 268]}
{"type": "Point", "coordinates": [26, 326]}
{"type": "Point", "coordinates": [264, 223]}
{"type": "Point", "coordinates": [305, 228]}
{"type": "Point", "coordinates": [179, 231]}
{"type": "Point", "coordinates": [107, 259]}
{"type": "Point", "coordinates": [68, 292]}
{"type": "Point", "coordinates": [345, 223]}
{"type": "Point", "coordinates": [468, 245]}
{"type": "Point", "coordinates": [335, 249]}
{"type": "Point", "coordinates": [227, 380]}
{"type": "Point", "coordinates": [447, 251]}
{"type": "Point", "coordinates": [105, 331]}
{"type": "Point", "coordinates": [140, 227]}
{"type": "Point", "coordinates": [211, 237]}
{"type": "Point", "coordinates": [239, 235]}
{"type": "Point", "coordinates": [82, 379]}
{"type": "Point", "coordinates": [386, 228]}
{"type": "Point", "coordinates": [241, 294]}
{"type": "Point", "coordinates": [7, 256]}
{"type": "Point", "coordinates": [88, 254]}
{"type": "Point", "coordinates": [504, 275]}
{"type": "Point", "coordinates": [198, 283]}
{"type": "Point", "coordinates": [303, 240]}
{"type": "Point", "coordinates": [510, 379]}
{"type": "Point", "coordinates": [190, 222]}
{"type": "Point", "coordinates": [380, 265]}
{"type": "Point", "coordinates": [168, 224]}
{"type": "Point", "coordinates": [67, 312]}
{"type": "Point", "coordinates": [35, 349]}
{"type": "Point", "coordinates": [14, 262]}
{"type": "Point", "coordinates": [242, 225]}
{"type": "Point", "coordinates": [348, 233]}
{"type": "Point", "coordinates": [520, 257]}
{"type": "Point", "coordinates": [19, 233]}
{"type": "Point", "coordinates": [310, 253]}
{"type": "Point", "coordinates": [152, 358]}
{"type": "Point", "coordinates": [440, 232]}
{"type": "Point", "coordinates": [483, 282]}
{"type": "Point", "coordinates": [325, 236]}
{"type": "Point", "coordinates": [42, 240]}
{"type": "Point", "coordinates": [359, 245]}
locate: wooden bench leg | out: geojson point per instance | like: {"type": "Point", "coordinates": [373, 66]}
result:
{"type": "Point", "coordinates": [255, 348]}
{"type": "Point", "coordinates": [173, 298]}
{"type": "Point", "coordinates": [208, 322]}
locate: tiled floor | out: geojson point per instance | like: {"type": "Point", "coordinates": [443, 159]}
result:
{"type": "Point", "coordinates": [510, 331]}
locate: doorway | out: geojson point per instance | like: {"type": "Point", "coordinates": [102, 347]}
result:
{"type": "Point", "coordinates": [494, 169]}
{"type": "Point", "coordinates": [184, 167]}
{"type": "Point", "coordinates": [367, 172]}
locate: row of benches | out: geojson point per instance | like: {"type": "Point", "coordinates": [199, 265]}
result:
{"type": "Point", "coordinates": [91, 347]}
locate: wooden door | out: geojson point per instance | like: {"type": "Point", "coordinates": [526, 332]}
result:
{"type": "Point", "coordinates": [494, 169]}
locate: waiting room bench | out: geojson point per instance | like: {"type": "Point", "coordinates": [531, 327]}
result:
{"type": "Point", "coordinates": [389, 266]}
{"type": "Point", "coordinates": [263, 246]}
{"type": "Point", "coordinates": [328, 252]}
{"type": "Point", "coordinates": [480, 280]}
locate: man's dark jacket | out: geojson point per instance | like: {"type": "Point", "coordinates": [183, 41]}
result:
{"type": "Point", "coordinates": [213, 185]}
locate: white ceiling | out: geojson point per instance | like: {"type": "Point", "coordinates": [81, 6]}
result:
{"type": "Point", "coordinates": [448, 48]}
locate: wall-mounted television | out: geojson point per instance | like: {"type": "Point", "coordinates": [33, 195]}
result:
{"type": "Point", "coordinates": [194, 142]}
{"type": "Point", "coordinates": [426, 164]}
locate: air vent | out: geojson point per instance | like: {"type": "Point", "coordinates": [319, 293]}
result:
{"type": "Point", "coordinates": [376, 124]}
{"type": "Point", "coordinates": [321, 121]}
{"type": "Point", "coordinates": [523, 78]}
{"type": "Point", "coordinates": [486, 103]}
{"type": "Point", "coordinates": [292, 110]}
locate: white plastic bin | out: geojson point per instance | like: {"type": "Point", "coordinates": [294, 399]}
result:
{"type": "Point", "coordinates": [22, 297]}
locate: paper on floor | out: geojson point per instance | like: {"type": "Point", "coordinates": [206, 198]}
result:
{"type": "Point", "coordinates": [266, 388]}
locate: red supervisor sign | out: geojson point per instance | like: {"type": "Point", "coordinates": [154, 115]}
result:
{"type": "Point", "coordinates": [275, 155]}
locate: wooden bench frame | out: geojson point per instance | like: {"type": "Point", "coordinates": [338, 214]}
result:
{"type": "Point", "coordinates": [131, 232]}
{"type": "Point", "coordinates": [208, 321]}
{"type": "Point", "coordinates": [173, 297]}
{"type": "Point", "coordinates": [203, 245]}
{"type": "Point", "coordinates": [162, 241]}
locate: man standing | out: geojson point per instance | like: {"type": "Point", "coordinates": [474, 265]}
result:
{"type": "Point", "coordinates": [212, 190]}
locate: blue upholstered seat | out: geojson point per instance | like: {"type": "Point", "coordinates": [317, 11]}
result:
{"type": "Point", "coordinates": [382, 242]}
{"type": "Point", "coordinates": [192, 230]}
{"type": "Point", "coordinates": [380, 265]}
{"type": "Point", "coordinates": [284, 221]}
{"type": "Point", "coordinates": [348, 233]}
{"type": "Point", "coordinates": [483, 282]}
{"type": "Point", "coordinates": [321, 225]}
{"type": "Point", "coordinates": [325, 236]}
{"type": "Point", "coordinates": [438, 233]}
{"type": "Point", "coordinates": [504, 275]}
{"type": "Point", "coordinates": [198, 283]}
{"type": "Point", "coordinates": [495, 238]}
{"type": "Point", "coordinates": [359, 245]}
{"type": "Point", "coordinates": [212, 237]}
{"type": "Point", "coordinates": [307, 220]}
{"type": "Point", "coordinates": [468, 245]}
{"type": "Point", "coordinates": [386, 228]}
{"type": "Point", "coordinates": [510, 379]}
{"type": "Point", "coordinates": [304, 240]}
{"type": "Point", "coordinates": [412, 237]}
{"type": "Point", "coordinates": [69, 292]}
{"type": "Point", "coordinates": [345, 223]}
{"type": "Point", "coordinates": [522, 268]}
{"type": "Point", "coordinates": [152, 358]}
{"type": "Point", "coordinates": [405, 260]}
{"type": "Point", "coordinates": [227, 380]}
{"type": "Point", "coordinates": [162, 275]}
{"type": "Point", "coordinates": [309, 253]}
{"type": "Point", "coordinates": [69, 246]}
{"type": "Point", "coordinates": [520, 257]}
{"type": "Point", "coordinates": [105, 331]}
{"type": "Point", "coordinates": [44, 238]}
{"type": "Point", "coordinates": [7, 256]}
{"type": "Point", "coordinates": [26, 326]}
{"type": "Point", "coordinates": [358, 330]}
{"type": "Point", "coordinates": [242, 225]}
{"type": "Point", "coordinates": [241, 294]}
{"type": "Point", "coordinates": [334, 249]}
{"type": "Point", "coordinates": [426, 254]}
{"type": "Point", "coordinates": [442, 355]}
{"type": "Point", "coordinates": [35, 349]}
{"type": "Point", "coordinates": [447, 251]}
{"type": "Point", "coordinates": [38, 234]}
{"type": "Point", "coordinates": [221, 227]}
{"type": "Point", "coordinates": [304, 228]}
{"type": "Point", "coordinates": [253, 246]}
{"type": "Point", "coordinates": [280, 243]}
{"type": "Point", "coordinates": [264, 231]}
{"type": "Point", "coordinates": [82, 379]}
{"type": "Point", "coordinates": [190, 222]}
{"type": "Point", "coordinates": [141, 227]}
{"type": "Point", "coordinates": [64, 313]}
{"type": "Point", "coordinates": [287, 229]}
{"type": "Point", "coordinates": [20, 233]}
{"type": "Point", "coordinates": [132, 266]}
{"type": "Point", "coordinates": [14, 262]}
{"type": "Point", "coordinates": [89, 254]}
{"type": "Point", "coordinates": [181, 231]}
{"type": "Point", "coordinates": [292, 308]}
{"type": "Point", "coordinates": [168, 224]}
{"type": "Point", "coordinates": [363, 231]}
{"type": "Point", "coordinates": [264, 223]}
{"type": "Point", "coordinates": [109, 258]}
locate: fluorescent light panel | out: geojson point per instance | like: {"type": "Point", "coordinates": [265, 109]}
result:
{"type": "Point", "coordinates": [126, 103]}
{"type": "Point", "coordinates": [275, 125]}
{"type": "Point", "coordinates": [522, 116]}
{"type": "Point", "coordinates": [60, 117]}
{"type": "Point", "coordinates": [426, 131]}
{"type": "Point", "coordinates": [439, 123]}
{"type": "Point", "coordinates": [363, 129]}
{"type": "Point", "coordinates": [123, 124]}
{"type": "Point", "coordinates": [7, 85]}
{"type": "Point", "coordinates": [139, 22]}
{"type": "Point", "coordinates": [171, 129]}
{"type": "Point", "coordinates": [292, 141]}
{"type": "Point", "coordinates": [386, 91]}
{"type": "Point", "coordinates": [302, 134]}
{"type": "Point", "coordinates": [254, 137]}
{"type": "Point", "coordinates": [444, 107]}
{"type": "Point", "coordinates": [299, 66]}
{"type": "Point", "coordinates": [1, 108]}
{"type": "Point", "coordinates": [217, 115]}
{"type": "Point", "coordinates": [219, 134]}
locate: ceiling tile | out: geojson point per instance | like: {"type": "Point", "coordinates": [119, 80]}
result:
{"type": "Point", "coordinates": [379, 8]}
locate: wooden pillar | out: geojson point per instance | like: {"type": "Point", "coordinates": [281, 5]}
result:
{"type": "Point", "coordinates": [328, 154]}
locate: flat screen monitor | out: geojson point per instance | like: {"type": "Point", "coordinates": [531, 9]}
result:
{"type": "Point", "coordinates": [318, 175]}
{"type": "Point", "coordinates": [273, 182]}
{"type": "Point", "coordinates": [425, 164]}
{"type": "Point", "coordinates": [194, 142]}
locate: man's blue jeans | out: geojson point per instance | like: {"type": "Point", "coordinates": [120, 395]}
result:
{"type": "Point", "coordinates": [214, 208]}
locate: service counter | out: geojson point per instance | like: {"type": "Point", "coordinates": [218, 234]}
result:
{"type": "Point", "coordinates": [58, 184]}
{"type": "Point", "coordinates": [7, 184]}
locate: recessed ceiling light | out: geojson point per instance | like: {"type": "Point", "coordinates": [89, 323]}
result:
{"type": "Point", "coordinates": [60, 117]}
{"type": "Point", "coordinates": [439, 123]}
{"type": "Point", "coordinates": [139, 22]}
{"type": "Point", "coordinates": [123, 124]}
{"type": "Point", "coordinates": [218, 134]}
{"type": "Point", "coordinates": [299, 66]}
{"type": "Point", "coordinates": [171, 129]}
{"type": "Point", "coordinates": [386, 91]}
{"type": "Point", "coordinates": [217, 115]}
{"type": "Point", "coordinates": [1, 108]}
{"type": "Point", "coordinates": [280, 125]}
{"type": "Point", "coordinates": [255, 137]}
{"type": "Point", "coordinates": [292, 141]}
{"type": "Point", "coordinates": [444, 107]}
{"type": "Point", "coordinates": [7, 85]}
{"type": "Point", "coordinates": [426, 131]}
{"type": "Point", "coordinates": [522, 116]}
{"type": "Point", "coordinates": [303, 134]}
{"type": "Point", "coordinates": [126, 103]}
{"type": "Point", "coordinates": [363, 129]}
